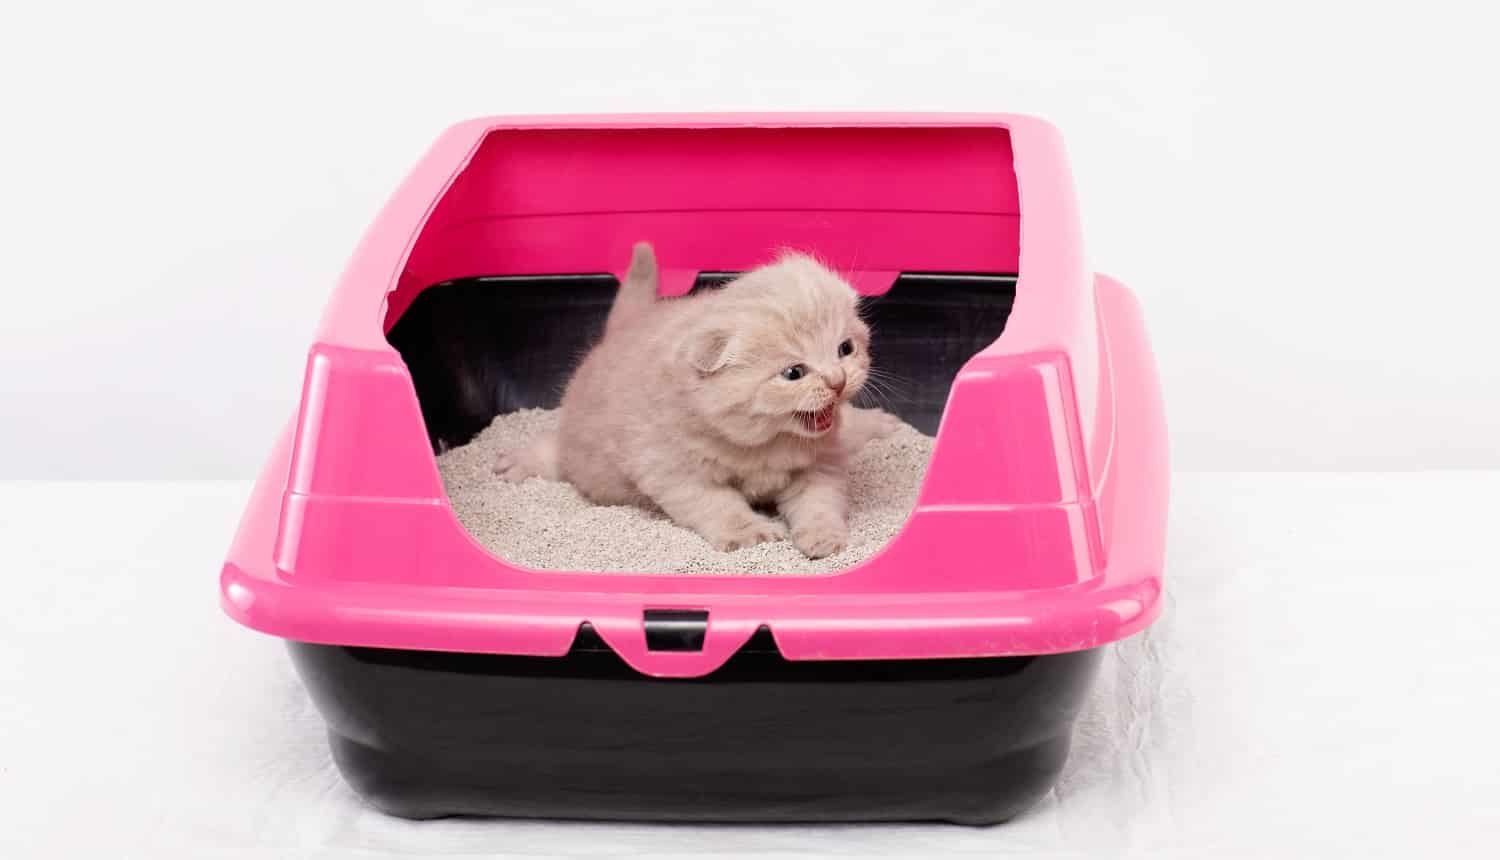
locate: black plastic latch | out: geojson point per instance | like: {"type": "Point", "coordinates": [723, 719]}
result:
{"type": "Point", "coordinates": [675, 629]}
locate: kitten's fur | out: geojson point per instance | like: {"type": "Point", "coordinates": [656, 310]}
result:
{"type": "Point", "coordinates": [683, 405]}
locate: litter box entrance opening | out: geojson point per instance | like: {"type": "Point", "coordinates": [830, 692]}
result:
{"type": "Point", "coordinates": [482, 347]}
{"type": "Point", "coordinates": [486, 353]}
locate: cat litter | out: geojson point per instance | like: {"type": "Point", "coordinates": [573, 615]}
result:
{"type": "Point", "coordinates": [548, 526]}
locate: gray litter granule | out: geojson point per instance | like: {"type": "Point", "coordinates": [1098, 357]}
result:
{"type": "Point", "coordinates": [547, 525]}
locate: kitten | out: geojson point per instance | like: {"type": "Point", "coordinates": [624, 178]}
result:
{"type": "Point", "coordinates": [708, 405]}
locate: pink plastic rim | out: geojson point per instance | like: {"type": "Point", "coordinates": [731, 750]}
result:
{"type": "Point", "coordinates": [1040, 526]}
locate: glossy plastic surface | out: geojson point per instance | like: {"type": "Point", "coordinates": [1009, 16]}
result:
{"type": "Point", "coordinates": [423, 734]}
{"type": "Point", "coordinates": [1040, 525]}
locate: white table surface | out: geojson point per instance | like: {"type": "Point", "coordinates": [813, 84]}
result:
{"type": "Point", "coordinates": [1324, 682]}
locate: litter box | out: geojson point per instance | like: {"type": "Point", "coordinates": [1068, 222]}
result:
{"type": "Point", "coordinates": [938, 679]}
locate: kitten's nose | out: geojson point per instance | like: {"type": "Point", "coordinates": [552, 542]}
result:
{"type": "Point", "coordinates": [836, 381]}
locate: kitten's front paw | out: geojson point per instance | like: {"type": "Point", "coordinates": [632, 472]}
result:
{"type": "Point", "coordinates": [864, 426]}
{"type": "Point", "coordinates": [821, 538]}
{"type": "Point", "coordinates": [883, 424]}
{"type": "Point", "coordinates": [513, 466]}
{"type": "Point", "coordinates": [733, 536]}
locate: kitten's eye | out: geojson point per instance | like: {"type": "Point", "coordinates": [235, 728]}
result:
{"type": "Point", "coordinates": [846, 349]}
{"type": "Point", "coordinates": [794, 372]}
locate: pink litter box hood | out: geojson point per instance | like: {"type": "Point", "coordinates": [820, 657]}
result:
{"type": "Point", "coordinates": [1040, 525]}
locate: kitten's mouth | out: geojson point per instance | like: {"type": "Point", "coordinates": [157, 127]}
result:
{"type": "Point", "coordinates": [820, 421]}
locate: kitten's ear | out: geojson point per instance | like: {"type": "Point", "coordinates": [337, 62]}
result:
{"type": "Point", "coordinates": [709, 349]}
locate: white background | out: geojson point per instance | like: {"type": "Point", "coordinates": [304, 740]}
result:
{"type": "Point", "coordinates": [1304, 194]}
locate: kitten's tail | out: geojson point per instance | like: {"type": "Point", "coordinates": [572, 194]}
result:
{"type": "Point", "coordinates": [638, 291]}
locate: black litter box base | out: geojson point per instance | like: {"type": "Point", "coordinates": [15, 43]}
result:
{"type": "Point", "coordinates": [763, 739]}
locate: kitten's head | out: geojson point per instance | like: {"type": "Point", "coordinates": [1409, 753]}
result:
{"type": "Point", "coordinates": [776, 351]}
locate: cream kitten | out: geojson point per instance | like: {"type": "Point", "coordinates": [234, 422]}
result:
{"type": "Point", "coordinates": [708, 404]}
